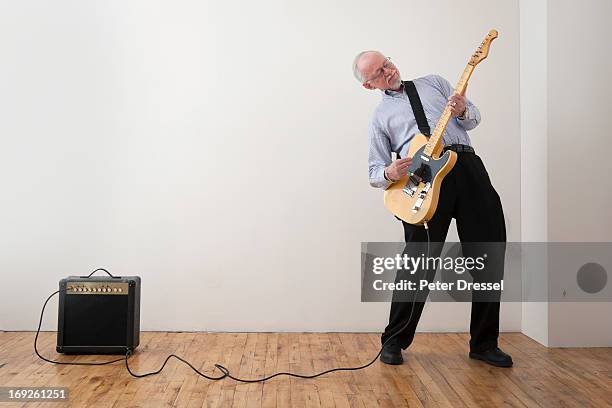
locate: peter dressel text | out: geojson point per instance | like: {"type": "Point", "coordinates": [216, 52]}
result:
{"type": "Point", "coordinates": [437, 285]}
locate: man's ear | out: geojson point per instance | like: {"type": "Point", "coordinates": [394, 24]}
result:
{"type": "Point", "coordinates": [367, 86]}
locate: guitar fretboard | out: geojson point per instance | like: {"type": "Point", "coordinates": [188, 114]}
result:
{"type": "Point", "coordinates": [435, 141]}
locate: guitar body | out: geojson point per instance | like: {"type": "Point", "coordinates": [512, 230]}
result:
{"type": "Point", "coordinates": [414, 198]}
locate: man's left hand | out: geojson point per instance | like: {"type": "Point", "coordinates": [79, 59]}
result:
{"type": "Point", "coordinates": [456, 104]}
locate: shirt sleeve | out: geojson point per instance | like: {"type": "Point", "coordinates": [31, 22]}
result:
{"type": "Point", "coordinates": [473, 114]}
{"type": "Point", "coordinates": [379, 156]}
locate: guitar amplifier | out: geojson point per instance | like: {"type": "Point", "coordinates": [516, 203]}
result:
{"type": "Point", "coordinates": [98, 315]}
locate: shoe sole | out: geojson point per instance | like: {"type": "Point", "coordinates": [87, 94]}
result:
{"type": "Point", "coordinates": [393, 362]}
{"type": "Point", "coordinates": [475, 357]}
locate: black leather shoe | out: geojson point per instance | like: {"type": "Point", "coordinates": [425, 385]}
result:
{"type": "Point", "coordinates": [494, 356]}
{"type": "Point", "coordinates": [391, 354]}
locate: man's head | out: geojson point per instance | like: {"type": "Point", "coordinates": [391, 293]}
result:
{"type": "Point", "coordinates": [375, 71]}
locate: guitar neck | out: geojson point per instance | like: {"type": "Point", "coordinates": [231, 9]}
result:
{"type": "Point", "coordinates": [435, 141]}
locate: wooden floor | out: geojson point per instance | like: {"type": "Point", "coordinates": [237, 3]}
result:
{"type": "Point", "coordinates": [436, 372]}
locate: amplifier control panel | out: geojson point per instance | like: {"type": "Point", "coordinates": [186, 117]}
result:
{"type": "Point", "coordinates": [97, 288]}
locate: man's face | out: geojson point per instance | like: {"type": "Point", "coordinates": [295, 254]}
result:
{"type": "Point", "coordinates": [379, 72]}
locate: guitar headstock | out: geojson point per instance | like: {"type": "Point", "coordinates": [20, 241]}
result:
{"type": "Point", "coordinates": [483, 50]}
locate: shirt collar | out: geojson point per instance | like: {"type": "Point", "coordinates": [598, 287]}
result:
{"type": "Point", "coordinates": [387, 93]}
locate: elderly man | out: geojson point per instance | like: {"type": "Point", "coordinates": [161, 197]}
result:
{"type": "Point", "coordinates": [466, 193]}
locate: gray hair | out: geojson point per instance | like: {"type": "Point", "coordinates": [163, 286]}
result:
{"type": "Point", "coordinates": [356, 71]}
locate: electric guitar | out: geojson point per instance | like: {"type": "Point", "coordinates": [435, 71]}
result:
{"type": "Point", "coordinates": [414, 198]}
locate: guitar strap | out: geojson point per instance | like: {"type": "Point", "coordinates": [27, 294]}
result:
{"type": "Point", "coordinates": [417, 108]}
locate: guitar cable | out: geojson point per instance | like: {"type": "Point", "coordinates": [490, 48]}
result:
{"type": "Point", "coordinates": [225, 372]}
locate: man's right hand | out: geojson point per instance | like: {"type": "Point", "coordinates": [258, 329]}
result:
{"type": "Point", "coordinates": [398, 169]}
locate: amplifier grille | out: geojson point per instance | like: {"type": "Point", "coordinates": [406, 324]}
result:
{"type": "Point", "coordinates": [95, 320]}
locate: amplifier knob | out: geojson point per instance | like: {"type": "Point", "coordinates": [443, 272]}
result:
{"type": "Point", "coordinates": [120, 290]}
{"type": "Point", "coordinates": [114, 289]}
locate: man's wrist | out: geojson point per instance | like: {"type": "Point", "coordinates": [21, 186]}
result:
{"type": "Point", "coordinates": [386, 176]}
{"type": "Point", "coordinates": [464, 115]}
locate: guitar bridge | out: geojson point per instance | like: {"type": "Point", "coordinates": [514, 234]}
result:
{"type": "Point", "coordinates": [412, 185]}
{"type": "Point", "coordinates": [422, 195]}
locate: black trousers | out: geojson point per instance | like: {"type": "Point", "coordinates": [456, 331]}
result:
{"type": "Point", "coordinates": [467, 195]}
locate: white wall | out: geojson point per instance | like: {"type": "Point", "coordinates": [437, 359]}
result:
{"type": "Point", "coordinates": [579, 92]}
{"type": "Point", "coordinates": [219, 151]}
{"type": "Point", "coordinates": [534, 151]}
{"type": "Point", "coordinates": [565, 110]}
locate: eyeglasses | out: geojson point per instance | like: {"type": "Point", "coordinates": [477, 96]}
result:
{"type": "Point", "coordinates": [386, 65]}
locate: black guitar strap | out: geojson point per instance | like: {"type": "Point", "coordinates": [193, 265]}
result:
{"type": "Point", "coordinates": [417, 108]}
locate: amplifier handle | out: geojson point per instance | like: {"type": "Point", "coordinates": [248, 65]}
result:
{"type": "Point", "coordinates": [100, 269]}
